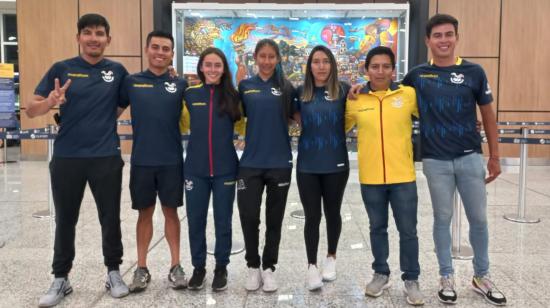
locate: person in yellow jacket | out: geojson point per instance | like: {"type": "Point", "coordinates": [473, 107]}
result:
{"type": "Point", "coordinates": [383, 114]}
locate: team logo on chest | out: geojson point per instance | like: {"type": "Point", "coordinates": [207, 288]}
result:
{"type": "Point", "coordinates": [170, 87]}
{"type": "Point", "coordinates": [327, 96]}
{"type": "Point", "coordinates": [276, 91]}
{"type": "Point", "coordinates": [457, 78]}
{"type": "Point", "coordinates": [108, 76]}
{"type": "Point", "coordinates": [397, 102]}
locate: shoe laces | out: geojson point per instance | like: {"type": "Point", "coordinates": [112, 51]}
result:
{"type": "Point", "coordinates": [488, 284]}
{"type": "Point", "coordinates": [447, 283]}
{"type": "Point", "coordinates": [177, 271]}
{"type": "Point", "coordinates": [140, 274]}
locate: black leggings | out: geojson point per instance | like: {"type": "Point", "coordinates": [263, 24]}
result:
{"type": "Point", "coordinates": [250, 186]}
{"type": "Point", "coordinates": [330, 187]}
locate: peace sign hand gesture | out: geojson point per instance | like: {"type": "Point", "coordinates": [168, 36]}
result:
{"type": "Point", "coordinates": [57, 95]}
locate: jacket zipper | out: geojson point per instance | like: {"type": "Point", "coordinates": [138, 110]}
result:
{"type": "Point", "coordinates": [210, 107]}
{"type": "Point", "coordinates": [382, 139]}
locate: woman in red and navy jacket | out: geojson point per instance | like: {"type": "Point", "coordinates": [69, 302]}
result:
{"type": "Point", "coordinates": [210, 111]}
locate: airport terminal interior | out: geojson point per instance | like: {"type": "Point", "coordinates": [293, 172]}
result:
{"type": "Point", "coordinates": [519, 252]}
{"type": "Point", "coordinates": [507, 38]}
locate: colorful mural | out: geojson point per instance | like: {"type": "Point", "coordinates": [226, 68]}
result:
{"type": "Point", "coordinates": [349, 40]}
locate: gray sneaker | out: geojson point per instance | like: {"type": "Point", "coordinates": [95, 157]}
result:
{"type": "Point", "coordinates": [176, 278]}
{"type": "Point", "coordinates": [116, 285]}
{"type": "Point", "coordinates": [377, 285]}
{"type": "Point", "coordinates": [58, 290]}
{"type": "Point", "coordinates": [413, 293]}
{"type": "Point", "coordinates": [140, 280]}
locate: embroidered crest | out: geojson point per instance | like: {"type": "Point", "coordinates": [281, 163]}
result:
{"type": "Point", "coordinates": [188, 185]}
{"type": "Point", "coordinates": [170, 87]}
{"type": "Point", "coordinates": [107, 76]}
{"type": "Point", "coordinates": [397, 102]}
{"type": "Point", "coordinates": [276, 92]}
{"type": "Point", "coordinates": [457, 78]}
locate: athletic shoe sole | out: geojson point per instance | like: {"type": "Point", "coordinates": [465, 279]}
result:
{"type": "Point", "coordinates": [486, 298]}
{"type": "Point", "coordinates": [253, 289]}
{"type": "Point", "coordinates": [384, 287]}
{"type": "Point", "coordinates": [68, 291]}
{"type": "Point", "coordinates": [137, 289]}
{"type": "Point", "coordinates": [447, 302]}
{"type": "Point", "coordinates": [108, 287]}
{"type": "Point", "coordinates": [329, 278]}
{"type": "Point", "coordinates": [220, 289]}
{"type": "Point", "coordinates": [176, 287]}
{"type": "Point", "coordinates": [411, 302]}
{"type": "Point", "coordinates": [196, 288]}
{"type": "Point", "coordinates": [316, 287]}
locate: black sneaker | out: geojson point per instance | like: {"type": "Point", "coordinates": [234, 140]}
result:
{"type": "Point", "coordinates": [487, 288]}
{"type": "Point", "coordinates": [220, 279]}
{"type": "Point", "coordinates": [197, 280]}
{"type": "Point", "coordinates": [447, 293]}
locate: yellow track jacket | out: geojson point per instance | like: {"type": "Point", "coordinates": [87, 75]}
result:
{"type": "Point", "coordinates": [384, 129]}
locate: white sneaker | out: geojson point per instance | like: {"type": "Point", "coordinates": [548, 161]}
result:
{"type": "Point", "coordinates": [329, 269]}
{"type": "Point", "coordinates": [314, 280]}
{"type": "Point", "coordinates": [253, 280]}
{"type": "Point", "coordinates": [270, 283]}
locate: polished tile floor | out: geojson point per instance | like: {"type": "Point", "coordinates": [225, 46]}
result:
{"type": "Point", "coordinates": [520, 253]}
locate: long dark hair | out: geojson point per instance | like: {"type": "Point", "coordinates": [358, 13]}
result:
{"type": "Point", "coordinates": [284, 85]}
{"type": "Point", "coordinates": [229, 102]}
{"type": "Point", "coordinates": [332, 86]}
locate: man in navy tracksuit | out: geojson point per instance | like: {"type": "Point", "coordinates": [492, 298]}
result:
{"type": "Point", "coordinates": [86, 151]}
{"type": "Point", "coordinates": [157, 154]}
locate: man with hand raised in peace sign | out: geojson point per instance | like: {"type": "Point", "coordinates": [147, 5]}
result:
{"type": "Point", "coordinates": [86, 150]}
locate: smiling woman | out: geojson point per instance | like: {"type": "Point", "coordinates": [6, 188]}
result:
{"type": "Point", "coordinates": [266, 161]}
{"type": "Point", "coordinates": [210, 112]}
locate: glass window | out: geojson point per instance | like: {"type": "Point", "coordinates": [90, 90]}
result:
{"type": "Point", "coordinates": [10, 28]}
{"type": "Point", "coordinates": [11, 56]}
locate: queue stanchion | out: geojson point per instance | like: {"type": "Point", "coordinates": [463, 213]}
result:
{"type": "Point", "coordinates": [459, 251]}
{"type": "Point", "coordinates": [50, 212]}
{"type": "Point", "coordinates": [520, 216]}
{"type": "Point", "coordinates": [5, 145]}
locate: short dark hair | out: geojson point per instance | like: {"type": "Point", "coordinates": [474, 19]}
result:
{"type": "Point", "coordinates": [441, 19]}
{"type": "Point", "coordinates": [159, 33]}
{"type": "Point", "coordinates": [380, 50]}
{"type": "Point", "coordinates": [92, 20]}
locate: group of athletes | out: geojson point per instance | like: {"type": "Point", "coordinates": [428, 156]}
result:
{"type": "Point", "coordinates": [92, 91]}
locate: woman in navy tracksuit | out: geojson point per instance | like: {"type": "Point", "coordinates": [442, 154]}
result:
{"type": "Point", "coordinates": [211, 110]}
{"type": "Point", "coordinates": [323, 166]}
{"type": "Point", "coordinates": [266, 162]}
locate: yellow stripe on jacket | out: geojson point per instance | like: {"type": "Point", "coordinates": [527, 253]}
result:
{"type": "Point", "coordinates": [384, 129]}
